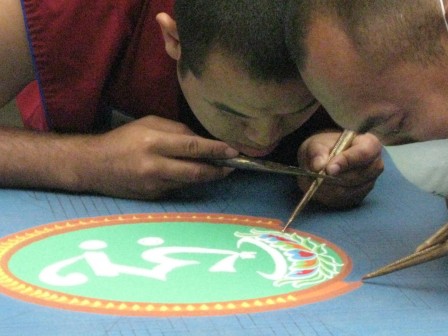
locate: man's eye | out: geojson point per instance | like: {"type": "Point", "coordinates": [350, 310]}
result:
{"type": "Point", "coordinates": [312, 105]}
{"type": "Point", "coordinates": [398, 128]}
{"type": "Point", "coordinates": [232, 113]}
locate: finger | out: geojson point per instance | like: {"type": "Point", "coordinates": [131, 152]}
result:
{"type": "Point", "coordinates": [315, 153]}
{"type": "Point", "coordinates": [194, 147]}
{"type": "Point", "coordinates": [190, 172]}
{"type": "Point", "coordinates": [315, 156]}
{"type": "Point", "coordinates": [365, 150]}
{"type": "Point", "coordinates": [361, 175]}
{"type": "Point", "coordinates": [165, 125]}
{"type": "Point", "coordinates": [319, 156]}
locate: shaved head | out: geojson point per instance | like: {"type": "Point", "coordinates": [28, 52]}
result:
{"type": "Point", "coordinates": [382, 31]}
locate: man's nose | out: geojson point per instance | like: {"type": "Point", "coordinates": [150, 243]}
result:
{"type": "Point", "coordinates": [264, 132]}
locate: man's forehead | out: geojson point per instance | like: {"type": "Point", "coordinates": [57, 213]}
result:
{"type": "Point", "coordinates": [331, 52]}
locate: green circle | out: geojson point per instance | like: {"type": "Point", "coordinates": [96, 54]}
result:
{"type": "Point", "coordinates": [193, 283]}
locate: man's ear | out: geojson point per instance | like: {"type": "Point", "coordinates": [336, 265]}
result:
{"type": "Point", "coordinates": [170, 36]}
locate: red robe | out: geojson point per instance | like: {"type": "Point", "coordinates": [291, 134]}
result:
{"type": "Point", "coordinates": [91, 56]}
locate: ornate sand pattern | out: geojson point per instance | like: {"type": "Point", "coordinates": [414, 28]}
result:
{"type": "Point", "coordinates": [312, 272]}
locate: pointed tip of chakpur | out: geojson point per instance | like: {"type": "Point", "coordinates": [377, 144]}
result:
{"type": "Point", "coordinates": [286, 226]}
{"type": "Point", "coordinates": [370, 276]}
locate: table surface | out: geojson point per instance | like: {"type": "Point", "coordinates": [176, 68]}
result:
{"type": "Point", "coordinates": [392, 221]}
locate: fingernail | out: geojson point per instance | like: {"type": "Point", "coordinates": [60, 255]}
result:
{"type": "Point", "coordinates": [230, 152]}
{"type": "Point", "coordinates": [333, 169]}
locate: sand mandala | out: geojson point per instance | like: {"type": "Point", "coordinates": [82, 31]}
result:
{"type": "Point", "coordinates": [171, 264]}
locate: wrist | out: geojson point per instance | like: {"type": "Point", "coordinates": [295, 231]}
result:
{"type": "Point", "coordinates": [81, 172]}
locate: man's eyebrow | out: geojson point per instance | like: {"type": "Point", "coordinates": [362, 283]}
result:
{"type": "Point", "coordinates": [228, 109]}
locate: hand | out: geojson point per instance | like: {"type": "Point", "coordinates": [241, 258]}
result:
{"type": "Point", "coordinates": [149, 158]}
{"type": "Point", "coordinates": [358, 166]}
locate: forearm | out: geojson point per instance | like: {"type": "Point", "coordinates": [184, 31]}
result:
{"type": "Point", "coordinates": [43, 160]}
{"type": "Point", "coordinates": [145, 159]}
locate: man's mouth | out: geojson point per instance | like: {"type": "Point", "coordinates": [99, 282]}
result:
{"type": "Point", "coordinates": [254, 152]}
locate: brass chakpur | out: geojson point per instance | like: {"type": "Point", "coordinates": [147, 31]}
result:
{"type": "Point", "coordinates": [344, 141]}
{"type": "Point", "coordinates": [247, 163]}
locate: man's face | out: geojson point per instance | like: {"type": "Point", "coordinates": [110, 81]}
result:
{"type": "Point", "coordinates": [403, 103]}
{"type": "Point", "coordinates": [250, 116]}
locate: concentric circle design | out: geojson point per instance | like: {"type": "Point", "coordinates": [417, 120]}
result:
{"type": "Point", "coordinates": [171, 264]}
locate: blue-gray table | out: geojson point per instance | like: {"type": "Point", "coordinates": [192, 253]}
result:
{"type": "Point", "coordinates": [393, 220]}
